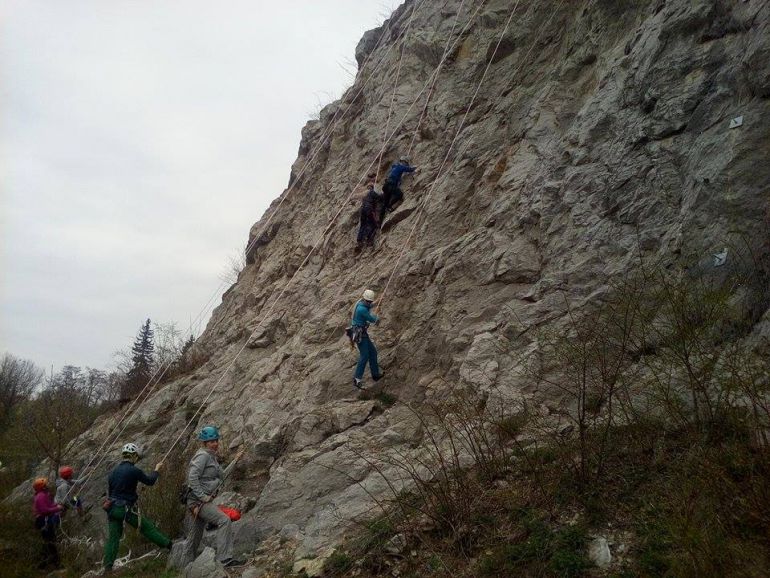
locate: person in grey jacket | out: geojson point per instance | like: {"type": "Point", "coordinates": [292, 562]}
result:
{"type": "Point", "coordinates": [204, 480]}
{"type": "Point", "coordinates": [65, 485]}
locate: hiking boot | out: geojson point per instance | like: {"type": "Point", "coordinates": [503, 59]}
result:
{"type": "Point", "coordinates": [378, 377]}
{"type": "Point", "coordinates": [358, 383]}
{"type": "Point", "coordinates": [232, 563]}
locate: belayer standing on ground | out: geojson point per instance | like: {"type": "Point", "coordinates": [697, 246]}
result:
{"type": "Point", "coordinates": [47, 521]}
{"type": "Point", "coordinates": [121, 504]}
{"type": "Point", "coordinates": [64, 488]}
{"type": "Point", "coordinates": [204, 480]}
{"type": "Point", "coordinates": [371, 207]}
{"type": "Point", "coordinates": [391, 191]}
{"type": "Point", "coordinates": [362, 318]}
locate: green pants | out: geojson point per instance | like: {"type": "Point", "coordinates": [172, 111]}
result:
{"type": "Point", "coordinates": [115, 518]}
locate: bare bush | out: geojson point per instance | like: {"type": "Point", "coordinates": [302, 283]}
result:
{"type": "Point", "coordinates": [658, 376]}
{"type": "Point", "coordinates": [18, 380]}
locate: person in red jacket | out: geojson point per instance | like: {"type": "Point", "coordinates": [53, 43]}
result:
{"type": "Point", "coordinates": [47, 521]}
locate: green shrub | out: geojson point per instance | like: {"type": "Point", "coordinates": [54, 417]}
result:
{"type": "Point", "coordinates": [339, 562]}
{"type": "Point", "coordinates": [385, 398]}
{"type": "Point", "coordinates": [20, 542]}
{"type": "Point", "coordinates": [539, 548]}
{"type": "Point", "coordinates": [568, 558]}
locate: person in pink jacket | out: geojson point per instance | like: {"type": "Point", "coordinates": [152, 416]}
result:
{"type": "Point", "coordinates": [47, 521]}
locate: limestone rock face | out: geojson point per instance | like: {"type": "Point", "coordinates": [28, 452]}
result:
{"type": "Point", "coordinates": [600, 132]}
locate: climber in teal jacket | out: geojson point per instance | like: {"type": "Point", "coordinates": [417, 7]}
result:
{"type": "Point", "coordinates": [362, 318]}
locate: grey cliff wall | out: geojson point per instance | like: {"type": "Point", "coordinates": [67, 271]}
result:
{"type": "Point", "coordinates": [601, 132]}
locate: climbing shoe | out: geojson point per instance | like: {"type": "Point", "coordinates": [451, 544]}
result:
{"type": "Point", "coordinates": [378, 377]}
{"type": "Point", "coordinates": [359, 383]}
{"type": "Point", "coordinates": [233, 563]}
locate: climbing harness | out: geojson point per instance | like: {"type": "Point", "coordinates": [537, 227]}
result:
{"type": "Point", "coordinates": [355, 333]}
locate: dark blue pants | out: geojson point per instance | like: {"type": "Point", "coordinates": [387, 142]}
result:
{"type": "Point", "coordinates": [367, 354]}
{"type": "Point", "coordinates": [367, 230]}
{"type": "Point", "coordinates": [391, 194]}
{"type": "Point", "coordinates": [47, 526]}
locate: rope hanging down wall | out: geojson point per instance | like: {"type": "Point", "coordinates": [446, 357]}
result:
{"type": "Point", "coordinates": [312, 250]}
{"type": "Point", "coordinates": [325, 138]}
{"type": "Point", "coordinates": [160, 372]}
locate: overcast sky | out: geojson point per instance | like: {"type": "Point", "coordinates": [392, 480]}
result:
{"type": "Point", "coordinates": [139, 140]}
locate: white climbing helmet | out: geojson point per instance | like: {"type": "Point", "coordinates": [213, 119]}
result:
{"type": "Point", "coordinates": [368, 295]}
{"type": "Point", "coordinates": [130, 449]}
{"type": "Point", "coordinates": [404, 160]}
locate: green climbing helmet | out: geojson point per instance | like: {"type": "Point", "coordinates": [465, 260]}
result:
{"type": "Point", "coordinates": [208, 434]}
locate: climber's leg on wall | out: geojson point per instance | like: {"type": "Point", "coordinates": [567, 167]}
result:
{"type": "Point", "coordinates": [387, 194]}
{"type": "Point", "coordinates": [363, 357]}
{"type": "Point", "coordinates": [397, 198]}
{"type": "Point", "coordinates": [374, 366]}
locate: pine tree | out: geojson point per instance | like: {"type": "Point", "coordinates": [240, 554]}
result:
{"type": "Point", "coordinates": [142, 362]}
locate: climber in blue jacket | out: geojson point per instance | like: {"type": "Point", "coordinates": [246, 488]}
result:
{"type": "Point", "coordinates": [391, 191]}
{"type": "Point", "coordinates": [362, 318]}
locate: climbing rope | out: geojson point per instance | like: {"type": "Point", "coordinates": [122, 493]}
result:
{"type": "Point", "coordinates": [379, 161]}
{"type": "Point", "coordinates": [110, 437]}
{"type": "Point", "coordinates": [439, 173]}
{"type": "Point", "coordinates": [328, 228]}
{"type": "Point", "coordinates": [304, 262]}
{"type": "Point", "coordinates": [393, 94]}
{"type": "Point", "coordinates": [520, 64]}
{"type": "Point", "coordinates": [306, 259]}
{"type": "Point", "coordinates": [440, 67]}
{"type": "Point", "coordinates": [431, 81]}
{"type": "Point", "coordinates": [161, 371]}
{"type": "Point", "coordinates": [433, 84]}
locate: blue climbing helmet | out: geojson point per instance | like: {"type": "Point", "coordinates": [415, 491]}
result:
{"type": "Point", "coordinates": [208, 434]}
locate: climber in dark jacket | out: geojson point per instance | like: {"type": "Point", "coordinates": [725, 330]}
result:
{"type": "Point", "coordinates": [121, 504]}
{"type": "Point", "coordinates": [391, 191]}
{"type": "Point", "coordinates": [370, 221]}
{"type": "Point", "coordinates": [362, 317]}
